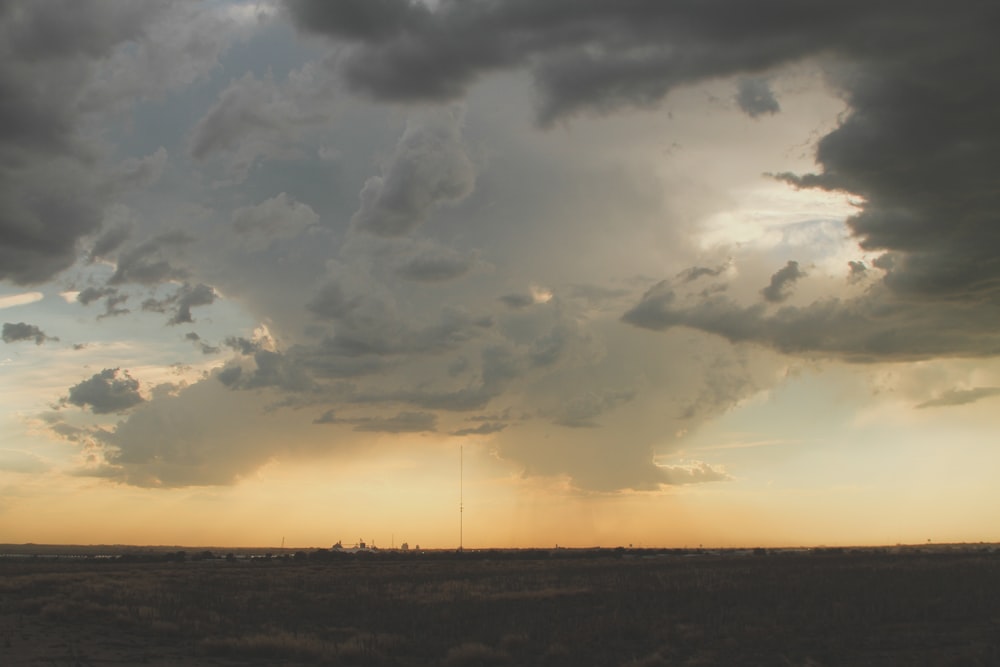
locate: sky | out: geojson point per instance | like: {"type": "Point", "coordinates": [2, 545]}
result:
{"type": "Point", "coordinates": [605, 272]}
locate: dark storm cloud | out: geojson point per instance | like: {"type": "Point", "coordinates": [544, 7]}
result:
{"type": "Point", "coordinates": [54, 29]}
{"type": "Point", "coordinates": [259, 118]}
{"type": "Point", "coordinates": [693, 273]}
{"type": "Point", "coordinates": [106, 392]}
{"type": "Point", "coordinates": [583, 411]}
{"type": "Point", "coordinates": [433, 267]}
{"type": "Point", "coordinates": [328, 417]}
{"type": "Point", "coordinates": [402, 422]}
{"type": "Point", "coordinates": [182, 301]}
{"type": "Point", "coordinates": [327, 361]}
{"type": "Point", "coordinates": [359, 19]}
{"type": "Point", "coordinates": [112, 306]}
{"type": "Point", "coordinates": [46, 206]}
{"type": "Point", "coordinates": [149, 263]}
{"type": "Point", "coordinates": [755, 97]}
{"type": "Point", "coordinates": [516, 300]}
{"type": "Point", "coordinates": [781, 282]}
{"type": "Point", "coordinates": [271, 369]}
{"type": "Point", "coordinates": [240, 111]}
{"type": "Point", "coordinates": [486, 428]}
{"type": "Point", "coordinates": [961, 397]}
{"type": "Point", "coordinates": [280, 217]}
{"type": "Point", "coordinates": [142, 172]}
{"type": "Point", "coordinates": [242, 345]}
{"type": "Point", "coordinates": [857, 271]}
{"type": "Point", "coordinates": [189, 296]}
{"type": "Point", "coordinates": [594, 54]}
{"type": "Point", "coordinates": [361, 337]}
{"type": "Point", "coordinates": [333, 302]}
{"type": "Point", "coordinates": [110, 240]}
{"type": "Point", "coordinates": [594, 295]}
{"type": "Point", "coordinates": [206, 348]}
{"type": "Point", "coordinates": [866, 329]}
{"type": "Point", "coordinates": [499, 366]}
{"type": "Point", "coordinates": [916, 145]}
{"type": "Point", "coordinates": [370, 324]}
{"type": "Point", "coordinates": [553, 345]}
{"type": "Point", "coordinates": [112, 300]}
{"type": "Point", "coordinates": [18, 331]}
{"type": "Point", "coordinates": [51, 195]}
{"type": "Point", "coordinates": [428, 168]}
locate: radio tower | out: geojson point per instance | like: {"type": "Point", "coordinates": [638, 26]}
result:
{"type": "Point", "coordinates": [461, 497]}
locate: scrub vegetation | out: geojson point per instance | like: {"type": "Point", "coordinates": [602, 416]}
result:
{"type": "Point", "coordinates": [604, 607]}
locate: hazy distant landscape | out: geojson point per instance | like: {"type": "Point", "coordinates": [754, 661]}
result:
{"type": "Point", "coordinates": [157, 606]}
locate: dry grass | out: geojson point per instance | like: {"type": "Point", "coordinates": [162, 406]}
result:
{"type": "Point", "coordinates": [796, 610]}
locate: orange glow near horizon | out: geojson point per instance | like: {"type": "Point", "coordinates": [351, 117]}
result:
{"type": "Point", "coordinates": [395, 498]}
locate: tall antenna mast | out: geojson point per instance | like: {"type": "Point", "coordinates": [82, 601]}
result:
{"type": "Point", "coordinates": [461, 495]}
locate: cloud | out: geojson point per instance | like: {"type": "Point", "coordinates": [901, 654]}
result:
{"type": "Point", "coordinates": [182, 301]}
{"type": "Point", "coordinates": [867, 329]}
{"type": "Point", "coordinates": [88, 295]}
{"type": "Point", "coordinates": [205, 348]}
{"type": "Point", "coordinates": [149, 262]}
{"type": "Point", "coordinates": [256, 118]}
{"type": "Point", "coordinates": [693, 273]}
{"type": "Point", "coordinates": [594, 295]}
{"type": "Point", "coordinates": [279, 217]}
{"type": "Point", "coordinates": [781, 282]}
{"type": "Point", "coordinates": [434, 265]}
{"type": "Point", "coordinates": [693, 472]}
{"type": "Point", "coordinates": [369, 321]}
{"type": "Point", "coordinates": [599, 54]}
{"type": "Point", "coordinates": [499, 366]}
{"type": "Point", "coordinates": [52, 191]}
{"type": "Point", "coordinates": [394, 316]}
{"type": "Point", "coordinates": [428, 168]}
{"type": "Point", "coordinates": [110, 240]}
{"type": "Point", "coordinates": [207, 434]}
{"type": "Point", "coordinates": [178, 44]}
{"type": "Point", "coordinates": [271, 369]}
{"type": "Point", "coordinates": [203, 435]}
{"type": "Point", "coordinates": [583, 411]}
{"type": "Point", "coordinates": [66, 29]}
{"type": "Point", "coordinates": [12, 460]}
{"type": "Point", "coordinates": [47, 204]}
{"type": "Point", "coordinates": [961, 397]}
{"type": "Point", "coordinates": [755, 97]}
{"type": "Point", "coordinates": [142, 172]}
{"type": "Point", "coordinates": [13, 332]}
{"type": "Point", "coordinates": [112, 300]}
{"type": "Point", "coordinates": [22, 299]}
{"type": "Point", "coordinates": [517, 300]}
{"type": "Point", "coordinates": [376, 19]}
{"type": "Point", "coordinates": [926, 198]}
{"type": "Point", "coordinates": [243, 345]}
{"type": "Point", "coordinates": [109, 391]}
{"type": "Point", "coordinates": [402, 422]}
{"type": "Point", "coordinates": [857, 271]}
{"type": "Point", "coordinates": [486, 428]}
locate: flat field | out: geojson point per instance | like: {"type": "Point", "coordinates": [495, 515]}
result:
{"type": "Point", "coordinates": [607, 607]}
